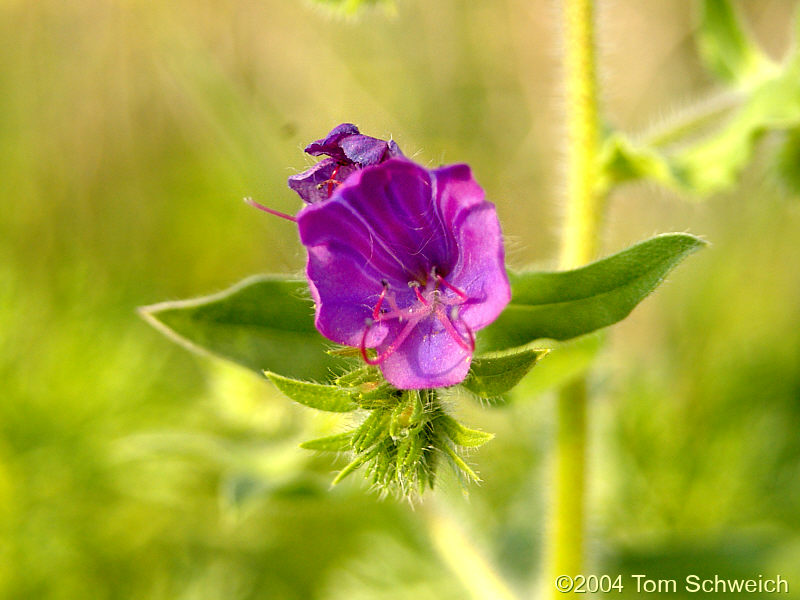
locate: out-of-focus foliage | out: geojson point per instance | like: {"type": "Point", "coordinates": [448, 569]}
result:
{"type": "Point", "coordinates": [770, 102]}
{"type": "Point", "coordinates": [352, 7]}
{"type": "Point", "coordinates": [129, 132]}
{"type": "Point", "coordinates": [727, 49]}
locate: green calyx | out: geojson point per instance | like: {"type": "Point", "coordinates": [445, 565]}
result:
{"type": "Point", "coordinates": [401, 441]}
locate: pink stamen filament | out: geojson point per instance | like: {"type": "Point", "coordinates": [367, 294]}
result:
{"type": "Point", "coordinates": [469, 343]}
{"type": "Point", "coordinates": [333, 181]}
{"type": "Point", "coordinates": [376, 313]}
{"type": "Point", "coordinates": [271, 211]}
{"type": "Point", "coordinates": [398, 341]}
{"type": "Point", "coordinates": [461, 294]}
{"type": "Point", "coordinates": [420, 297]}
{"type": "Point", "coordinates": [414, 316]}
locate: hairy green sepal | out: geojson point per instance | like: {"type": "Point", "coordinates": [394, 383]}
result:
{"type": "Point", "coordinates": [494, 374]}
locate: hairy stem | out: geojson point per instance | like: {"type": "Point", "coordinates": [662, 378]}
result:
{"type": "Point", "coordinates": [580, 242]}
{"type": "Point", "coordinates": [584, 208]}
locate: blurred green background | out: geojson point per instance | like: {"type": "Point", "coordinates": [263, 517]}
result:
{"type": "Point", "coordinates": [130, 131]}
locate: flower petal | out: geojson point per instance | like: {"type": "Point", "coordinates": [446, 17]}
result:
{"type": "Point", "coordinates": [480, 271]}
{"type": "Point", "coordinates": [344, 295]}
{"type": "Point", "coordinates": [337, 224]}
{"type": "Point", "coordinates": [456, 192]}
{"type": "Point", "coordinates": [317, 182]}
{"type": "Point", "coordinates": [395, 198]}
{"type": "Point", "coordinates": [428, 358]}
{"type": "Point", "coordinates": [329, 145]}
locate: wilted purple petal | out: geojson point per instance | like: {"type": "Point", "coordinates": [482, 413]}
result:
{"type": "Point", "coordinates": [329, 145]}
{"type": "Point", "coordinates": [347, 151]}
{"type": "Point", "coordinates": [409, 262]}
{"type": "Point", "coordinates": [318, 182]}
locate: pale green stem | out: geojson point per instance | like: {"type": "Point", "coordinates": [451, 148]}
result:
{"type": "Point", "coordinates": [466, 563]}
{"type": "Point", "coordinates": [580, 242]}
{"type": "Point", "coordinates": [584, 208]}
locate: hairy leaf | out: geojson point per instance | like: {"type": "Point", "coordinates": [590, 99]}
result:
{"type": "Point", "coordinates": [314, 395]}
{"type": "Point", "coordinates": [461, 435]}
{"type": "Point", "coordinates": [494, 374]}
{"type": "Point", "coordinates": [332, 443]}
{"type": "Point", "coordinates": [567, 304]}
{"type": "Point", "coordinates": [262, 323]}
{"type": "Point", "coordinates": [714, 163]}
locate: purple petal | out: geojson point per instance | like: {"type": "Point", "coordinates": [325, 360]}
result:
{"type": "Point", "coordinates": [366, 151]}
{"type": "Point", "coordinates": [329, 145]}
{"type": "Point", "coordinates": [337, 225]}
{"type": "Point", "coordinates": [428, 358]}
{"type": "Point", "coordinates": [456, 192]}
{"type": "Point", "coordinates": [480, 271]}
{"type": "Point", "coordinates": [344, 294]}
{"type": "Point", "coordinates": [316, 183]}
{"type": "Point", "coordinates": [395, 199]}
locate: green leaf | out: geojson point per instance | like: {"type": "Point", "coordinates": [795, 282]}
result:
{"type": "Point", "coordinates": [622, 161]}
{"type": "Point", "coordinates": [567, 304]}
{"type": "Point", "coordinates": [727, 49]}
{"type": "Point", "coordinates": [352, 466]}
{"type": "Point", "coordinates": [494, 374]}
{"type": "Point", "coordinates": [332, 443]}
{"type": "Point", "coordinates": [461, 435]}
{"type": "Point", "coordinates": [410, 449]}
{"type": "Point", "coordinates": [374, 428]}
{"type": "Point", "coordinates": [262, 323]}
{"type": "Point", "coordinates": [314, 395]}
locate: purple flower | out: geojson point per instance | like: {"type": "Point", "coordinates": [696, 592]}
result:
{"type": "Point", "coordinates": [406, 261]}
{"type": "Point", "coordinates": [347, 151]}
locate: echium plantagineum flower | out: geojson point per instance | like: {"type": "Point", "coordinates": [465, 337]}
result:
{"type": "Point", "coordinates": [403, 260]}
